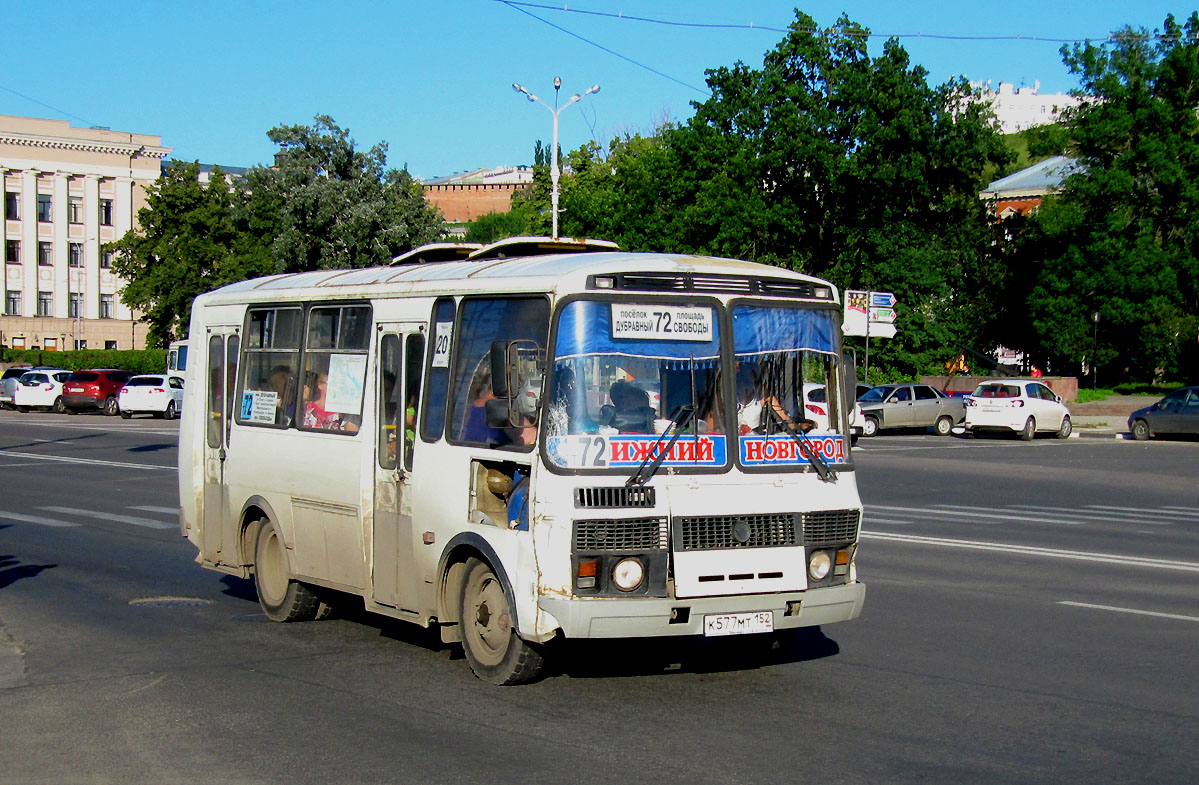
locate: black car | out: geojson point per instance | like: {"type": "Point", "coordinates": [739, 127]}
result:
{"type": "Point", "coordinates": [1177, 413]}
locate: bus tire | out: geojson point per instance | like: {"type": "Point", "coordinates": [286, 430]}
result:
{"type": "Point", "coordinates": [282, 599]}
{"type": "Point", "coordinates": [496, 654]}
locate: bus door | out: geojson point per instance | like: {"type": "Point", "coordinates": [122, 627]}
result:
{"type": "Point", "coordinates": [223, 344]}
{"type": "Point", "coordinates": [400, 363]}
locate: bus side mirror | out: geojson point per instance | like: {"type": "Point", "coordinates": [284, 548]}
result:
{"type": "Point", "coordinates": [499, 369]}
{"type": "Point", "coordinates": [850, 378]}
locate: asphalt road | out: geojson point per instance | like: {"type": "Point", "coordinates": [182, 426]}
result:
{"type": "Point", "coordinates": [1032, 615]}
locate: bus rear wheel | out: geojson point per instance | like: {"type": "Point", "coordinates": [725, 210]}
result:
{"type": "Point", "coordinates": [495, 652]}
{"type": "Point", "coordinates": [281, 598]}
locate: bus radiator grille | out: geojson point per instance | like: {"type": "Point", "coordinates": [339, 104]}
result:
{"type": "Point", "coordinates": [630, 534]}
{"type": "Point", "coordinates": [825, 526]}
{"type": "Point", "coordinates": [614, 498]}
{"type": "Point", "coordinates": [715, 532]}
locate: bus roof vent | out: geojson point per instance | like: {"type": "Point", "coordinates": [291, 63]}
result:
{"type": "Point", "coordinates": [707, 282]}
{"type": "Point", "coordinates": [437, 252]}
{"type": "Point", "coordinates": [513, 247]}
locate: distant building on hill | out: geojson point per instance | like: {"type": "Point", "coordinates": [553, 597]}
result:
{"type": "Point", "coordinates": [1021, 108]}
{"type": "Point", "coordinates": [1022, 193]}
{"type": "Point", "coordinates": [464, 196]}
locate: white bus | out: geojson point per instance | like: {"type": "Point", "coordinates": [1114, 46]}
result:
{"type": "Point", "coordinates": [177, 358]}
{"type": "Point", "coordinates": [516, 447]}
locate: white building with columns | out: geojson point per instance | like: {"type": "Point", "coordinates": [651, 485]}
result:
{"type": "Point", "coordinates": [66, 192]}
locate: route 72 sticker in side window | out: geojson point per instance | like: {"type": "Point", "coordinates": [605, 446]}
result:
{"type": "Point", "coordinates": [661, 322]}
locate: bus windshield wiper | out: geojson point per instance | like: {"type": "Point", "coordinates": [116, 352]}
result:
{"type": "Point", "coordinates": [808, 450]}
{"type": "Point", "coordinates": [648, 467]}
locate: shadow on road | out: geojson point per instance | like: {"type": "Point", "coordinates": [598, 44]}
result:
{"type": "Point", "coordinates": [44, 442]}
{"type": "Point", "coordinates": [11, 570]}
{"type": "Point", "coordinates": [239, 588]}
{"type": "Point", "coordinates": [151, 447]}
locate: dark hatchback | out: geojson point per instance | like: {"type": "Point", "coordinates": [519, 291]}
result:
{"type": "Point", "coordinates": [94, 389]}
{"type": "Point", "coordinates": [1176, 414]}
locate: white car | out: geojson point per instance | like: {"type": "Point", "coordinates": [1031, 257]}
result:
{"type": "Point", "coordinates": [1022, 406]}
{"type": "Point", "coordinates": [154, 394]}
{"type": "Point", "coordinates": [816, 406]}
{"type": "Point", "coordinates": [40, 390]}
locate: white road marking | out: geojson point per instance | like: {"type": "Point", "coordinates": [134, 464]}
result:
{"type": "Point", "coordinates": [89, 461]}
{"type": "Point", "coordinates": [1157, 519]}
{"type": "Point", "coordinates": [163, 510]}
{"type": "Point", "coordinates": [16, 516]}
{"type": "Point", "coordinates": [1181, 509]}
{"type": "Point", "coordinates": [1028, 550]}
{"type": "Point", "coordinates": [1134, 509]}
{"type": "Point", "coordinates": [1008, 516]}
{"type": "Point", "coordinates": [961, 513]}
{"type": "Point", "coordinates": [891, 521]}
{"type": "Point", "coordinates": [1178, 616]}
{"type": "Point", "coordinates": [108, 516]}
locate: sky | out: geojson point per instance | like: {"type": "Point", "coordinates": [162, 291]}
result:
{"type": "Point", "coordinates": [433, 80]}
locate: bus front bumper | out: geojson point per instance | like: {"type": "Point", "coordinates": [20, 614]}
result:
{"type": "Point", "coordinates": [652, 617]}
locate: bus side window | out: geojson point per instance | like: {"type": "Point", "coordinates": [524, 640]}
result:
{"type": "Point", "coordinates": [414, 364]}
{"type": "Point", "coordinates": [437, 381]}
{"type": "Point", "coordinates": [335, 360]}
{"type": "Point", "coordinates": [390, 397]}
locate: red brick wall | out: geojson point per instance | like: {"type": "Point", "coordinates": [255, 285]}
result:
{"type": "Point", "coordinates": [466, 202]}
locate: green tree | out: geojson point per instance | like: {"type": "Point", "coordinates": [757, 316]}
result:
{"type": "Point", "coordinates": [1121, 239]}
{"type": "Point", "coordinates": [825, 160]}
{"type": "Point", "coordinates": [335, 205]}
{"type": "Point", "coordinates": [191, 238]}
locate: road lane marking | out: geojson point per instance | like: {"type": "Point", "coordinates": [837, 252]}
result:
{"type": "Point", "coordinates": [1158, 519]}
{"type": "Point", "coordinates": [1135, 509]}
{"type": "Point", "coordinates": [109, 516]}
{"type": "Point", "coordinates": [1028, 550]}
{"type": "Point", "coordinates": [16, 516]}
{"type": "Point", "coordinates": [960, 512]}
{"type": "Point", "coordinates": [163, 510]}
{"type": "Point", "coordinates": [1178, 616]}
{"type": "Point", "coordinates": [89, 461]}
{"type": "Point", "coordinates": [1181, 509]}
{"type": "Point", "coordinates": [1007, 516]}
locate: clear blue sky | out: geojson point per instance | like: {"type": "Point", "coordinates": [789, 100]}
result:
{"type": "Point", "coordinates": [433, 79]}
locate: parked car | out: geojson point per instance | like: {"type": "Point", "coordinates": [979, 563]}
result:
{"type": "Point", "coordinates": [910, 406]}
{"type": "Point", "coordinates": [154, 394]}
{"type": "Point", "coordinates": [8, 380]}
{"type": "Point", "coordinates": [94, 389]}
{"type": "Point", "coordinates": [1177, 413]}
{"type": "Point", "coordinates": [1020, 406]}
{"type": "Point", "coordinates": [816, 402]}
{"type": "Point", "coordinates": [40, 390]}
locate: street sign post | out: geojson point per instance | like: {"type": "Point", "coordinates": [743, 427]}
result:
{"type": "Point", "coordinates": [869, 314]}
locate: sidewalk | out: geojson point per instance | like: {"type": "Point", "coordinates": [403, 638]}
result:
{"type": "Point", "coordinates": [1107, 417]}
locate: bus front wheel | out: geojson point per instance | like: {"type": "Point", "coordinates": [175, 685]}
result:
{"type": "Point", "coordinates": [495, 652]}
{"type": "Point", "coordinates": [281, 598]}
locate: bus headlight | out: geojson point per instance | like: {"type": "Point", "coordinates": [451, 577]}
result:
{"type": "Point", "coordinates": [628, 574]}
{"type": "Point", "coordinates": [818, 565]}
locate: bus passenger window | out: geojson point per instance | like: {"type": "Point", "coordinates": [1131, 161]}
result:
{"type": "Point", "coordinates": [414, 365]}
{"type": "Point", "coordinates": [390, 394]}
{"type": "Point", "coordinates": [335, 368]}
{"type": "Point", "coordinates": [438, 381]}
{"type": "Point", "coordinates": [271, 358]}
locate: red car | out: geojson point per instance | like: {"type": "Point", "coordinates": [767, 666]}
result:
{"type": "Point", "coordinates": [94, 389]}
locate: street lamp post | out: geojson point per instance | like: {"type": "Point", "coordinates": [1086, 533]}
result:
{"type": "Point", "coordinates": [1094, 349]}
{"type": "Point", "coordinates": [555, 110]}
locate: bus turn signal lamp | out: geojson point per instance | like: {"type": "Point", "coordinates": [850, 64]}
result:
{"type": "Point", "coordinates": [588, 569]}
{"type": "Point", "coordinates": [841, 562]}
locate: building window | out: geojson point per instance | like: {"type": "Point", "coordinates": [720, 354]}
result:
{"type": "Point", "coordinates": [12, 209]}
{"type": "Point", "coordinates": [75, 210]}
{"type": "Point", "coordinates": [45, 303]}
{"type": "Point", "coordinates": [74, 304]}
{"type": "Point", "coordinates": [12, 304]}
{"type": "Point", "coordinates": [80, 344]}
{"type": "Point", "coordinates": [18, 342]}
{"type": "Point", "coordinates": [75, 257]}
{"type": "Point", "coordinates": [106, 212]}
{"type": "Point", "coordinates": [45, 254]}
{"type": "Point", "coordinates": [50, 344]}
{"type": "Point", "coordinates": [110, 345]}
{"type": "Point", "coordinates": [12, 251]}
{"type": "Point", "coordinates": [106, 306]}
{"type": "Point", "coordinates": [106, 260]}
{"type": "Point", "coordinates": [45, 206]}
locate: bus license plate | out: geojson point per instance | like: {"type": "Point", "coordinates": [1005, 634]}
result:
{"type": "Point", "coordinates": [738, 623]}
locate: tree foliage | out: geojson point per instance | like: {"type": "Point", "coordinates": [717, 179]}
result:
{"type": "Point", "coordinates": [325, 204]}
{"type": "Point", "coordinates": [1121, 238]}
{"type": "Point", "coordinates": [191, 238]}
{"type": "Point", "coordinates": [825, 160]}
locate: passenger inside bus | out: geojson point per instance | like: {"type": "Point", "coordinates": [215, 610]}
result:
{"type": "Point", "coordinates": [317, 416]}
{"type": "Point", "coordinates": [629, 411]}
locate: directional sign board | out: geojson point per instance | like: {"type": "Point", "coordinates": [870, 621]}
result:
{"type": "Point", "coordinates": [869, 313]}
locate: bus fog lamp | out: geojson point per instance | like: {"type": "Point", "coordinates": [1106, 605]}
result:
{"type": "Point", "coordinates": [818, 565]}
{"type": "Point", "coordinates": [628, 574]}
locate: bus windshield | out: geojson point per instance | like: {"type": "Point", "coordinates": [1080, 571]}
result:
{"type": "Point", "coordinates": [623, 372]}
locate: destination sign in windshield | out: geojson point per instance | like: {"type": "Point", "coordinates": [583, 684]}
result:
{"type": "Point", "coordinates": [661, 322]}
